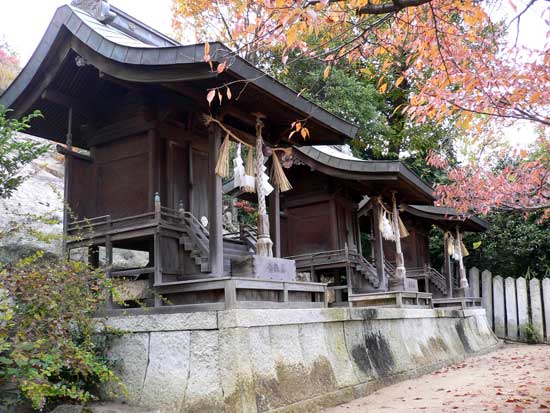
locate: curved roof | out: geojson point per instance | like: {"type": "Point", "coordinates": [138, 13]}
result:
{"type": "Point", "coordinates": [449, 216]}
{"type": "Point", "coordinates": [129, 50]}
{"type": "Point", "coordinates": [387, 175]}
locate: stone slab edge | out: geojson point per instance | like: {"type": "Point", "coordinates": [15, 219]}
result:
{"type": "Point", "coordinates": [204, 320]}
{"type": "Point", "coordinates": [243, 318]}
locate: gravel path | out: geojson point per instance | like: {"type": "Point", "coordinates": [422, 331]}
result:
{"type": "Point", "coordinates": [515, 378]}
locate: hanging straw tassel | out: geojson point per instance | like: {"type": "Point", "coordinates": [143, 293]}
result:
{"type": "Point", "coordinates": [222, 166]}
{"type": "Point", "coordinates": [249, 169]}
{"type": "Point", "coordinates": [465, 251]}
{"type": "Point", "coordinates": [279, 178]}
{"type": "Point", "coordinates": [403, 229]}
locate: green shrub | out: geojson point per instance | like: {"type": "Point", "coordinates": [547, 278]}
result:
{"type": "Point", "coordinates": [531, 334]}
{"type": "Point", "coordinates": [50, 347]}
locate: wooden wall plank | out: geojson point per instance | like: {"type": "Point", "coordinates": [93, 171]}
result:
{"type": "Point", "coordinates": [498, 306]}
{"type": "Point", "coordinates": [511, 310]}
{"type": "Point", "coordinates": [536, 306]}
{"type": "Point", "coordinates": [523, 306]}
{"type": "Point", "coordinates": [546, 303]}
{"type": "Point", "coordinates": [475, 282]}
{"type": "Point", "coordinates": [487, 294]}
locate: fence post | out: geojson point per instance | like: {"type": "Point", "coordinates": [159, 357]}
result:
{"type": "Point", "coordinates": [511, 312]}
{"type": "Point", "coordinates": [487, 294]}
{"type": "Point", "coordinates": [523, 306]}
{"type": "Point", "coordinates": [474, 282]}
{"type": "Point", "coordinates": [536, 307]}
{"type": "Point", "coordinates": [498, 306]}
{"type": "Point", "coordinates": [546, 300]}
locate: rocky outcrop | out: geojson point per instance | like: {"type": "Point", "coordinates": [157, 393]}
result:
{"type": "Point", "coordinates": [37, 205]}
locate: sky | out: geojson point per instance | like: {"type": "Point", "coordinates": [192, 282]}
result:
{"type": "Point", "coordinates": [23, 22]}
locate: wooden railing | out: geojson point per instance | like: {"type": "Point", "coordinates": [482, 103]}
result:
{"type": "Point", "coordinates": [342, 257]}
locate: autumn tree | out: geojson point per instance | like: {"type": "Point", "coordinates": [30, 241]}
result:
{"type": "Point", "coordinates": [473, 70]}
{"type": "Point", "coordinates": [9, 65]}
{"type": "Point", "coordinates": [452, 56]}
{"type": "Point", "coordinates": [504, 179]}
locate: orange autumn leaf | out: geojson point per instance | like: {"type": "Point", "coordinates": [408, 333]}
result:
{"type": "Point", "coordinates": [210, 96]}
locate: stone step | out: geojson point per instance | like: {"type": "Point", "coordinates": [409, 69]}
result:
{"type": "Point", "coordinates": [119, 408]}
{"type": "Point", "coordinates": [102, 408]}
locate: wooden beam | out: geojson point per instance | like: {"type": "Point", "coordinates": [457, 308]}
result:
{"type": "Point", "coordinates": [128, 127]}
{"type": "Point", "coordinates": [215, 206]}
{"type": "Point", "coordinates": [62, 99]}
{"type": "Point", "coordinates": [67, 152]}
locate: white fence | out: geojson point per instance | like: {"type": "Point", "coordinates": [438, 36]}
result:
{"type": "Point", "coordinates": [513, 303]}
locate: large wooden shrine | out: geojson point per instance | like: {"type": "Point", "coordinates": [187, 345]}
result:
{"type": "Point", "coordinates": [128, 105]}
{"type": "Point", "coordinates": [142, 145]}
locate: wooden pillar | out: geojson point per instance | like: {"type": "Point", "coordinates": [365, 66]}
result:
{"type": "Point", "coordinates": [349, 273]}
{"type": "Point", "coordinates": [215, 207]}
{"type": "Point", "coordinates": [67, 182]}
{"type": "Point", "coordinates": [447, 267]}
{"type": "Point", "coordinates": [109, 264]}
{"type": "Point", "coordinates": [275, 221]}
{"type": "Point", "coordinates": [378, 245]}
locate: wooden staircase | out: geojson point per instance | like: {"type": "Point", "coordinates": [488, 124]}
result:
{"type": "Point", "coordinates": [195, 240]}
{"type": "Point", "coordinates": [438, 280]}
{"type": "Point", "coordinates": [366, 269]}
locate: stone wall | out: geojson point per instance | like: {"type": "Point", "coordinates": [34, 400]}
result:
{"type": "Point", "coordinates": [286, 360]}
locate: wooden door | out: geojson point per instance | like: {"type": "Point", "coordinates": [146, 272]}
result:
{"type": "Point", "coordinates": [199, 184]}
{"type": "Point", "coordinates": [178, 173]}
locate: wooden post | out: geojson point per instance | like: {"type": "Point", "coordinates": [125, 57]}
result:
{"type": "Point", "coordinates": [400, 271]}
{"type": "Point", "coordinates": [275, 220]}
{"type": "Point", "coordinates": [109, 263]}
{"type": "Point", "coordinates": [348, 271]}
{"type": "Point", "coordinates": [67, 182]}
{"type": "Point", "coordinates": [264, 245]}
{"type": "Point", "coordinates": [230, 294]}
{"type": "Point", "coordinates": [462, 270]}
{"type": "Point", "coordinates": [447, 267]}
{"type": "Point", "coordinates": [378, 245]}
{"type": "Point", "coordinates": [215, 207]}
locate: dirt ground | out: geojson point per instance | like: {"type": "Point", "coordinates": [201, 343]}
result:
{"type": "Point", "coordinates": [514, 379]}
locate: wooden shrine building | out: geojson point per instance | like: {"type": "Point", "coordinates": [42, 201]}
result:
{"type": "Point", "coordinates": [333, 211]}
{"type": "Point", "coordinates": [143, 146]}
{"type": "Point", "coordinates": [127, 105]}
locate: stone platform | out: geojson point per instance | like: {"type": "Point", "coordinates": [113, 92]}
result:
{"type": "Point", "coordinates": [286, 360]}
{"type": "Point", "coordinates": [457, 302]}
{"type": "Point", "coordinates": [399, 299]}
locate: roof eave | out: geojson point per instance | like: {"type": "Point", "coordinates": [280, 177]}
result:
{"type": "Point", "coordinates": [65, 16]}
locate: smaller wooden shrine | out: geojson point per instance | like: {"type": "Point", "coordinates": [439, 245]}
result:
{"type": "Point", "coordinates": [341, 205]}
